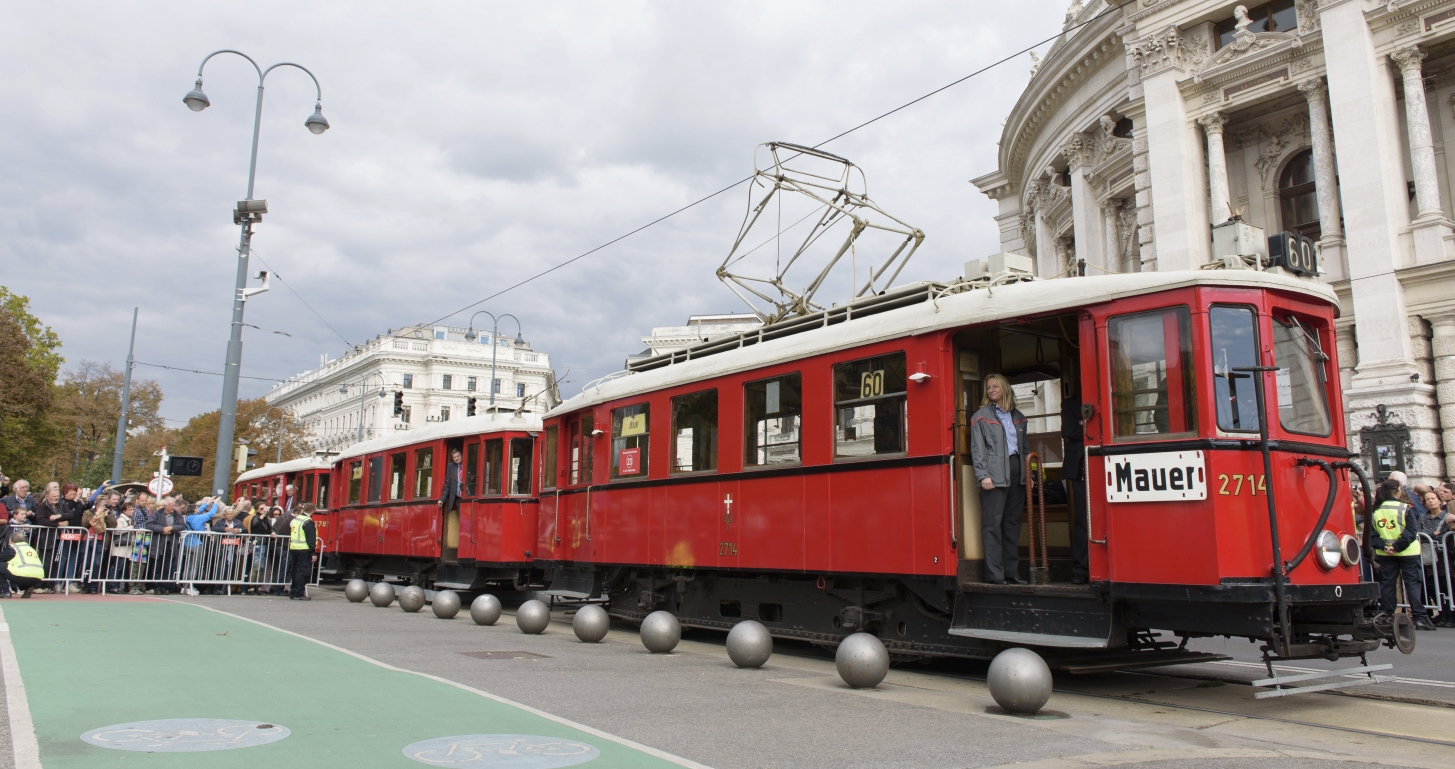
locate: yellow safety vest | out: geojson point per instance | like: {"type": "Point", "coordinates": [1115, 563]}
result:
{"type": "Point", "coordinates": [26, 562]}
{"type": "Point", "coordinates": [297, 537]}
{"type": "Point", "coordinates": [1389, 525]}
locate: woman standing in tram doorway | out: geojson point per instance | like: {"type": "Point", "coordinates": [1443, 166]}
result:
{"type": "Point", "coordinates": [997, 437]}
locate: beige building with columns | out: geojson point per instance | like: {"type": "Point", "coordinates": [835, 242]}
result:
{"type": "Point", "coordinates": [1144, 127]}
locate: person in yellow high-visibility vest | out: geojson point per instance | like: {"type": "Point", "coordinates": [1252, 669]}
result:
{"type": "Point", "coordinates": [20, 565]}
{"type": "Point", "coordinates": [302, 539]}
{"type": "Point", "coordinates": [1397, 552]}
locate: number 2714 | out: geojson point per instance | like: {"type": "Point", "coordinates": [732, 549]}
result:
{"type": "Point", "coordinates": [1255, 484]}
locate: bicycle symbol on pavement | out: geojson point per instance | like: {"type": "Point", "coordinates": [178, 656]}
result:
{"type": "Point", "coordinates": [501, 751]}
{"type": "Point", "coordinates": [185, 735]}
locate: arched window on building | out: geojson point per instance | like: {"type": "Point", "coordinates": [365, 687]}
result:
{"type": "Point", "coordinates": [1298, 202]}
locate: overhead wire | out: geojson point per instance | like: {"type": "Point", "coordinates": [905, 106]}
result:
{"type": "Point", "coordinates": [316, 314]}
{"type": "Point", "coordinates": [1109, 9]}
{"type": "Point", "coordinates": [208, 373]}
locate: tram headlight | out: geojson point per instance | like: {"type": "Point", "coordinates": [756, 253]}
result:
{"type": "Point", "coordinates": [1328, 550]}
{"type": "Point", "coordinates": [1352, 552]}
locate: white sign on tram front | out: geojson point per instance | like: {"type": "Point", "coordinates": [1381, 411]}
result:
{"type": "Point", "coordinates": [1168, 476]}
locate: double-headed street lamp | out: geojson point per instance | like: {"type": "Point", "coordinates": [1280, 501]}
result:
{"type": "Point", "coordinates": [281, 412]}
{"type": "Point", "coordinates": [471, 336]}
{"type": "Point", "coordinates": [363, 397]}
{"type": "Point", "coordinates": [248, 213]}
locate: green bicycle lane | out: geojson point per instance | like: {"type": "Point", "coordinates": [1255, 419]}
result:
{"type": "Point", "coordinates": [87, 665]}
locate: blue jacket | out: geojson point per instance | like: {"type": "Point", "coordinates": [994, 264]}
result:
{"type": "Point", "coordinates": [199, 521]}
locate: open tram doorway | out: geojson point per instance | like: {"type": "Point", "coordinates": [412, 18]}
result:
{"type": "Point", "coordinates": [450, 525]}
{"type": "Point", "coordinates": [1042, 359]}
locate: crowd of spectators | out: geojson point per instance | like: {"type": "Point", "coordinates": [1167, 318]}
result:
{"type": "Point", "coordinates": [132, 540]}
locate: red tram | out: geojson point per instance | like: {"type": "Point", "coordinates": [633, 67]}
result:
{"type": "Point", "coordinates": [814, 474]}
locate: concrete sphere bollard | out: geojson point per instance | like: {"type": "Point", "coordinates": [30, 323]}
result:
{"type": "Point", "coordinates": [411, 599]}
{"type": "Point", "coordinates": [356, 591]}
{"type": "Point", "coordinates": [381, 594]}
{"type": "Point", "coordinates": [591, 623]}
{"type": "Point", "coordinates": [749, 644]}
{"type": "Point", "coordinates": [485, 609]}
{"type": "Point", "coordinates": [446, 604]}
{"type": "Point", "coordinates": [661, 632]}
{"type": "Point", "coordinates": [1020, 681]}
{"type": "Point", "coordinates": [532, 617]}
{"type": "Point", "coordinates": [862, 660]}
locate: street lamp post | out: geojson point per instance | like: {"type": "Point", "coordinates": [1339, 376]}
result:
{"type": "Point", "coordinates": [281, 412]}
{"type": "Point", "coordinates": [363, 397]}
{"type": "Point", "coordinates": [121, 423]}
{"type": "Point", "coordinates": [471, 336]}
{"type": "Point", "coordinates": [248, 213]}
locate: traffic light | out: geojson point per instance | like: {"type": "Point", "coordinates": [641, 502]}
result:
{"type": "Point", "coordinates": [470, 407]}
{"type": "Point", "coordinates": [398, 403]}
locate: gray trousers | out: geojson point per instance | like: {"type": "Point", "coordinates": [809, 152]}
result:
{"type": "Point", "coordinates": [1000, 525]}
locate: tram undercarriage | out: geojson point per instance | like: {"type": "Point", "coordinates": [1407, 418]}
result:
{"type": "Point", "coordinates": [918, 617]}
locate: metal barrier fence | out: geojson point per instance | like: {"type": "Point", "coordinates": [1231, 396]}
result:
{"type": "Point", "coordinates": [1435, 581]}
{"type": "Point", "coordinates": [139, 558]}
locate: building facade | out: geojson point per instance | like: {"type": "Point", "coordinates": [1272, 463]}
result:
{"type": "Point", "coordinates": [436, 372]}
{"type": "Point", "coordinates": [699, 329]}
{"type": "Point", "coordinates": [1145, 127]}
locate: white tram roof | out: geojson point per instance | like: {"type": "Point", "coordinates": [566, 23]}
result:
{"type": "Point", "coordinates": [912, 313]}
{"type": "Point", "coordinates": [454, 428]}
{"type": "Point", "coordinates": [271, 469]}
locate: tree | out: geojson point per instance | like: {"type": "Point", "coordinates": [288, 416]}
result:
{"type": "Point", "coordinates": [86, 406]}
{"type": "Point", "coordinates": [29, 361]}
{"type": "Point", "coordinates": [254, 425]}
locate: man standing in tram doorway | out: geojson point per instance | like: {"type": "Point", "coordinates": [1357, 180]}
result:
{"type": "Point", "coordinates": [997, 435]}
{"type": "Point", "coordinates": [1397, 553]}
{"type": "Point", "coordinates": [1073, 470]}
{"type": "Point", "coordinates": [454, 481]}
{"type": "Point", "coordinates": [302, 539]}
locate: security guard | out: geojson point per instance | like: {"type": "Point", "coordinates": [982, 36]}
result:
{"type": "Point", "coordinates": [1397, 553]}
{"type": "Point", "coordinates": [20, 565]}
{"type": "Point", "coordinates": [302, 539]}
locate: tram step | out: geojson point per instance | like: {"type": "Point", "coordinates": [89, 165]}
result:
{"type": "Point", "coordinates": [575, 583]}
{"type": "Point", "coordinates": [1065, 621]}
{"type": "Point", "coordinates": [1280, 682]}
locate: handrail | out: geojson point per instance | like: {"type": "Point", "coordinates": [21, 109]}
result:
{"type": "Point", "coordinates": [1313, 536]}
{"type": "Point", "coordinates": [1039, 574]}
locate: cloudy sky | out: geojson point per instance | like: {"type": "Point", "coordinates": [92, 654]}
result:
{"type": "Point", "coordinates": [473, 145]}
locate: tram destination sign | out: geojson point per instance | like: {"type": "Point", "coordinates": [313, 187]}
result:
{"type": "Point", "coordinates": [1167, 476]}
{"type": "Point", "coordinates": [1293, 252]}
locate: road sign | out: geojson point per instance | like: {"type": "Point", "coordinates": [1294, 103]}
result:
{"type": "Point", "coordinates": [160, 487]}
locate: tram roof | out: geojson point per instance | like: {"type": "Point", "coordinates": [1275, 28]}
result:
{"type": "Point", "coordinates": [910, 311]}
{"type": "Point", "coordinates": [454, 428]}
{"type": "Point", "coordinates": [271, 469]}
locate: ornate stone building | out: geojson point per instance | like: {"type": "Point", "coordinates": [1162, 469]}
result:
{"type": "Point", "coordinates": [1145, 126]}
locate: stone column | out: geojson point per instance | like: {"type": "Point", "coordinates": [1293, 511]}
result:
{"type": "Point", "coordinates": [1048, 257]}
{"type": "Point", "coordinates": [1178, 173]}
{"type": "Point", "coordinates": [1111, 245]}
{"type": "Point", "coordinates": [1443, 349]}
{"type": "Point", "coordinates": [1331, 228]}
{"type": "Point", "coordinates": [1217, 168]}
{"type": "Point", "coordinates": [1083, 204]}
{"type": "Point", "coordinates": [1417, 119]}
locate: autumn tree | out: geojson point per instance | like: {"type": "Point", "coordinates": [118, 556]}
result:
{"type": "Point", "coordinates": [29, 361]}
{"type": "Point", "coordinates": [86, 407]}
{"type": "Point", "coordinates": [262, 431]}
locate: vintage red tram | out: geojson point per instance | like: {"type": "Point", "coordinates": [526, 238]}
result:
{"type": "Point", "coordinates": [268, 484]}
{"type": "Point", "coordinates": [814, 474]}
{"type": "Point", "coordinates": [389, 522]}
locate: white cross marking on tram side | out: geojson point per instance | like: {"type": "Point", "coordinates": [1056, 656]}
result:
{"type": "Point", "coordinates": [727, 516]}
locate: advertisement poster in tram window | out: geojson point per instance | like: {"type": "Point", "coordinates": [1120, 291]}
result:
{"type": "Point", "coordinates": [630, 461]}
{"type": "Point", "coordinates": [1167, 476]}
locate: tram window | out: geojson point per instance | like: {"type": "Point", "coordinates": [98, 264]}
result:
{"type": "Point", "coordinates": [694, 432]}
{"type": "Point", "coordinates": [548, 459]}
{"type": "Point", "coordinates": [774, 410]}
{"type": "Point", "coordinates": [1153, 392]}
{"type": "Point", "coordinates": [308, 487]}
{"type": "Point", "coordinates": [1303, 398]}
{"type": "Point", "coordinates": [630, 438]}
{"type": "Point", "coordinates": [253, 491]}
{"type": "Point", "coordinates": [472, 468]}
{"type": "Point", "coordinates": [396, 475]}
{"type": "Point", "coordinates": [520, 456]}
{"type": "Point", "coordinates": [869, 400]}
{"type": "Point", "coordinates": [494, 456]}
{"type": "Point", "coordinates": [376, 477]}
{"type": "Point", "coordinates": [356, 481]}
{"type": "Point", "coordinates": [322, 491]}
{"type": "Point", "coordinates": [581, 446]}
{"type": "Point", "coordinates": [423, 473]}
{"type": "Point", "coordinates": [1234, 340]}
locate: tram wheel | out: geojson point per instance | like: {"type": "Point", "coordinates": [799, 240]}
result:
{"type": "Point", "coordinates": [1403, 629]}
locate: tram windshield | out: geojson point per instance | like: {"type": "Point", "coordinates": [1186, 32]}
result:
{"type": "Point", "coordinates": [1303, 399]}
{"type": "Point", "coordinates": [1153, 391]}
{"type": "Point", "coordinates": [869, 399]}
{"type": "Point", "coordinates": [1234, 346]}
